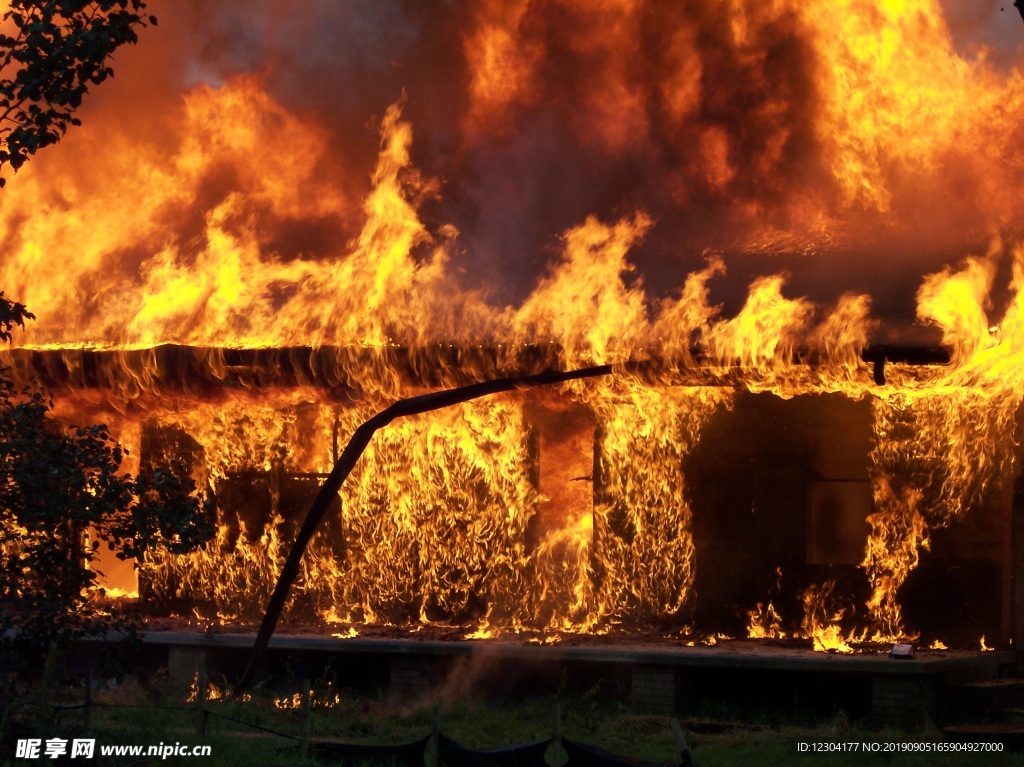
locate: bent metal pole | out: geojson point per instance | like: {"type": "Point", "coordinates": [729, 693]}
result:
{"type": "Point", "coordinates": [347, 461]}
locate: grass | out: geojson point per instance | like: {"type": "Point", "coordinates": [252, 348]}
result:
{"type": "Point", "coordinates": [128, 715]}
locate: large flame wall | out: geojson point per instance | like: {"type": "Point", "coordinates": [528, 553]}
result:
{"type": "Point", "coordinates": [858, 145]}
{"type": "Point", "coordinates": [746, 193]}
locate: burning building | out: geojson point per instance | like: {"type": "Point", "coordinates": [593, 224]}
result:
{"type": "Point", "coordinates": [791, 227]}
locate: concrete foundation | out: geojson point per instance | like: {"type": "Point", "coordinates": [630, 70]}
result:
{"type": "Point", "coordinates": [904, 701]}
{"type": "Point", "coordinates": [184, 662]}
{"type": "Point", "coordinates": [411, 675]}
{"type": "Point", "coordinates": [657, 679]}
{"type": "Point", "coordinates": [653, 688]}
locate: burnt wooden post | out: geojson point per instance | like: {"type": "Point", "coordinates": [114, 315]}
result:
{"type": "Point", "coordinates": [307, 715]}
{"type": "Point", "coordinates": [685, 759]}
{"type": "Point", "coordinates": [1007, 556]}
{"type": "Point", "coordinates": [600, 498]}
{"type": "Point", "coordinates": [1012, 603]}
{"type": "Point", "coordinates": [1014, 612]}
{"type": "Point", "coordinates": [555, 754]}
{"type": "Point", "coordinates": [432, 757]}
{"type": "Point", "coordinates": [87, 711]}
{"type": "Point", "coordinates": [202, 715]}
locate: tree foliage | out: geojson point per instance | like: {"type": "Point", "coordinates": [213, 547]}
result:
{"type": "Point", "coordinates": [50, 53]}
{"type": "Point", "coordinates": [11, 314]}
{"type": "Point", "coordinates": [63, 495]}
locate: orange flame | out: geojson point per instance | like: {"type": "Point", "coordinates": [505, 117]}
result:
{"type": "Point", "coordinates": [860, 121]}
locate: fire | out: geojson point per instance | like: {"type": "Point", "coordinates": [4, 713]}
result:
{"type": "Point", "coordinates": [501, 66]}
{"type": "Point", "coordinates": [546, 640]}
{"type": "Point", "coordinates": [712, 640]}
{"type": "Point", "coordinates": [227, 292]}
{"type": "Point", "coordinates": [822, 621]}
{"type": "Point", "coordinates": [584, 304]}
{"type": "Point", "coordinates": [115, 592]}
{"type": "Point", "coordinates": [897, 90]}
{"type": "Point", "coordinates": [213, 692]}
{"type": "Point", "coordinates": [942, 443]}
{"type": "Point", "coordinates": [764, 622]}
{"type": "Point", "coordinates": [483, 632]}
{"type": "Point", "coordinates": [765, 332]}
{"type": "Point", "coordinates": [643, 539]}
{"type": "Point", "coordinates": [790, 128]}
{"type": "Point", "coordinates": [317, 699]}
